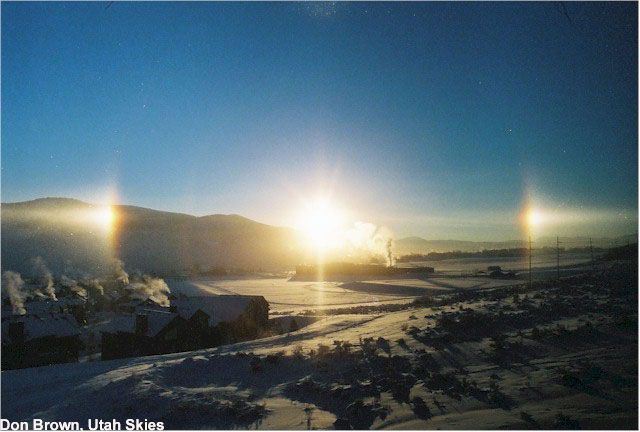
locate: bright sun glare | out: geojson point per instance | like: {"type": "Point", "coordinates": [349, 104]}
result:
{"type": "Point", "coordinates": [322, 224]}
{"type": "Point", "coordinates": [104, 217]}
{"type": "Point", "coordinates": [533, 217]}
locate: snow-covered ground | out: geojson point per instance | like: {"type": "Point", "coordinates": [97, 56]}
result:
{"type": "Point", "coordinates": [289, 296]}
{"type": "Point", "coordinates": [457, 265]}
{"type": "Point", "coordinates": [396, 379]}
{"type": "Point", "coordinates": [184, 389]}
{"type": "Point", "coordinates": [264, 384]}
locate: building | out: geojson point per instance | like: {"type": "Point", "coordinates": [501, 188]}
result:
{"type": "Point", "coordinates": [76, 306]}
{"type": "Point", "coordinates": [190, 323]}
{"type": "Point", "coordinates": [129, 305]}
{"type": "Point", "coordinates": [38, 340]}
{"type": "Point", "coordinates": [213, 310]}
{"type": "Point", "coordinates": [339, 270]}
{"type": "Point", "coordinates": [146, 332]}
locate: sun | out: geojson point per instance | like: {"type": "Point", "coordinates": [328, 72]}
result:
{"type": "Point", "coordinates": [103, 216]}
{"type": "Point", "coordinates": [534, 217]}
{"type": "Point", "coordinates": [321, 224]}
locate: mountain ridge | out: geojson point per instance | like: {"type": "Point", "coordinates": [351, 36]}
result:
{"type": "Point", "coordinates": [162, 242]}
{"type": "Point", "coordinates": [146, 240]}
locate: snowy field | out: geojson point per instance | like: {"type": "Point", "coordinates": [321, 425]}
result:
{"type": "Point", "coordinates": [468, 265]}
{"type": "Point", "coordinates": [398, 380]}
{"type": "Point", "coordinates": [289, 296]}
{"type": "Point", "coordinates": [284, 295]}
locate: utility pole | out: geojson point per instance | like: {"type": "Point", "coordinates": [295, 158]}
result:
{"type": "Point", "coordinates": [630, 255]}
{"type": "Point", "coordinates": [530, 284]}
{"type": "Point", "coordinates": [558, 256]}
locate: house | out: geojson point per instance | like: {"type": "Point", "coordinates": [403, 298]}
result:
{"type": "Point", "coordinates": [225, 318]}
{"type": "Point", "coordinates": [37, 340]}
{"type": "Point", "coordinates": [76, 306]}
{"type": "Point", "coordinates": [212, 310]}
{"type": "Point", "coordinates": [190, 323]}
{"type": "Point", "coordinates": [147, 332]}
{"type": "Point", "coordinates": [133, 305]}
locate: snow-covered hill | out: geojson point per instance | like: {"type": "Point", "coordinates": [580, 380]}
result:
{"type": "Point", "coordinates": [146, 240]}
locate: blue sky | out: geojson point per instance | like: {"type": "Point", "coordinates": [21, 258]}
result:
{"type": "Point", "coordinates": [433, 119]}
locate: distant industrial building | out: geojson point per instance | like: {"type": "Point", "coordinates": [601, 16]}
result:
{"type": "Point", "coordinates": [341, 269]}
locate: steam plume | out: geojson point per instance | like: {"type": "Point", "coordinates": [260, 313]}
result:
{"type": "Point", "coordinates": [13, 284]}
{"type": "Point", "coordinates": [150, 288]}
{"type": "Point", "coordinates": [73, 286]}
{"type": "Point", "coordinates": [368, 239]}
{"type": "Point", "coordinates": [93, 285]}
{"type": "Point", "coordinates": [46, 278]}
{"type": "Point", "coordinates": [121, 275]}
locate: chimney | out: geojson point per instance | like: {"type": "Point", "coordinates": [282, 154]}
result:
{"type": "Point", "coordinates": [16, 331]}
{"type": "Point", "coordinates": [142, 324]}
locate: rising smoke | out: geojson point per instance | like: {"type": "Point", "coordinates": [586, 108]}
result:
{"type": "Point", "coordinates": [14, 287]}
{"type": "Point", "coordinates": [148, 287]}
{"type": "Point", "coordinates": [121, 275]}
{"type": "Point", "coordinates": [92, 285]}
{"type": "Point", "coordinates": [73, 286]}
{"type": "Point", "coordinates": [142, 287]}
{"type": "Point", "coordinates": [369, 240]}
{"type": "Point", "coordinates": [42, 272]}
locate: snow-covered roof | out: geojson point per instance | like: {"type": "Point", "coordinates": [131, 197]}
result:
{"type": "Point", "coordinates": [118, 323]}
{"type": "Point", "coordinates": [147, 304]}
{"type": "Point", "coordinates": [156, 321]}
{"type": "Point", "coordinates": [42, 307]}
{"type": "Point", "coordinates": [72, 301]}
{"type": "Point", "coordinates": [219, 307]}
{"type": "Point", "coordinates": [37, 326]}
{"type": "Point", "coordinates": [127, 302]}
{"type": "Point", "coordinates": [45, 306]}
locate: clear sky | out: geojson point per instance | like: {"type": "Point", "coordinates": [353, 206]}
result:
{"type": "Point", "coordinates": [432, 119]}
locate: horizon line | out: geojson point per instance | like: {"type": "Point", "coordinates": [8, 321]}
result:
{"type": "Point", "coordinates": [510, 240]}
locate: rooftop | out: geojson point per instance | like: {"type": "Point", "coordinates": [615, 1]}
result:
{"type": "Point", "coordinates": [219, 308]}
{"type": "Point", "coordinates": [37, 326]}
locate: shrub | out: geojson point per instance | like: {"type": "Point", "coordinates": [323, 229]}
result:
{"type": "Point", "coordinates": [420, 408]}
{"type": "Point", "coordinates": [274, 358]}
{"type": "Point", "coordinates": [565, 422]}
{"type": "Point", "coordinates": [297, 352]}
{"type": "Point", "coordinates": [293, 325]}
{"type": "Point", "coordinates": [383, 344]}
{"type": "Point", "coordinates": [342, 347]}
{"type": "Point", "coordinates": [525, 416]}
{"type": "Point", "coordinates": [323, 350]}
